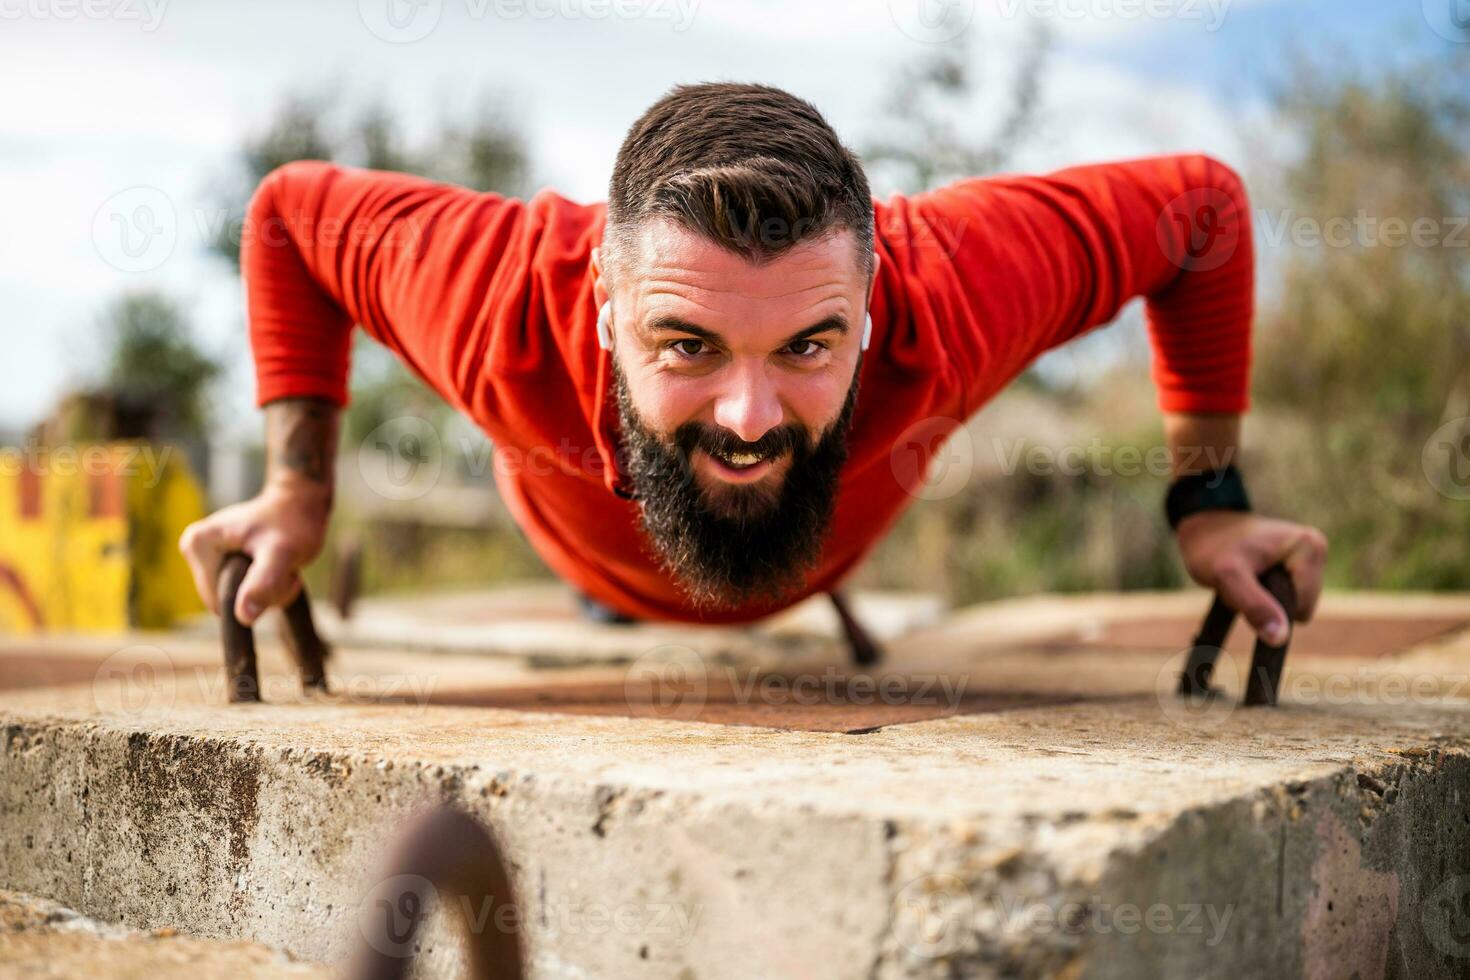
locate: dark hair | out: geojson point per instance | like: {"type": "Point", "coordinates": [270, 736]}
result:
{"type": "Point", "coordinates": [750, 167]}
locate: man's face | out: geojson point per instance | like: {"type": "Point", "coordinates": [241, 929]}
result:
{"type": "Point", "coordinates": [736, 382]}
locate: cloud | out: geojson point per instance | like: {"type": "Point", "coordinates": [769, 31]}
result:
{"type": "Point", "coordinates": [108, 107]}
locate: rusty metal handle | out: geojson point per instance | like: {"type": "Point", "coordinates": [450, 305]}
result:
{"type": "Point", "coordinates": [241, 672]}
{"type": "Point", "coordinates": [860, 643]}
{"type": "Point", "coordinates": [445, 854]}
{"type": "Point", "coordinates": [1267, 662]}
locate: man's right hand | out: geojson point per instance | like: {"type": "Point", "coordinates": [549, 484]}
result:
{"type": "Point", "coordinates": [283, 529]}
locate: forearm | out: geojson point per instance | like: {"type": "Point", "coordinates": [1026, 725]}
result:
{"type": "Point", "coordinates": [301, 448]}
{"type": "Point", "coordinates": [330, 248]}
{"type": "Point", "coordinates": [1199, 443]}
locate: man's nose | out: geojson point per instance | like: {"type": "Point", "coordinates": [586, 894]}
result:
{"type": "Point", "coordinates": [749, 405]}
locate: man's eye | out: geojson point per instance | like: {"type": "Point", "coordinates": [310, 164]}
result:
{"type": "Point", "coordinates": [805, 348]}
{"type": "Point", "coordinates": [688, 347]}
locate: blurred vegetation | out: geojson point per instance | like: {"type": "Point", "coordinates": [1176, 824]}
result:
{"type": "Point", "coordinates": [152, 355]}
{"type": "Point", "coordinates": [1365, 348]}
{"type": "Point", "coordinates": [152, 379]}
{"type": "Point", "coordinates": [1362, 352]}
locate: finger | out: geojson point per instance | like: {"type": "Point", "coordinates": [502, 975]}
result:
{"type": "Point", "coordinates": [1244, 593]}
{"type": "Point", "coordinates": [1305, 562]}
{"type": "Point", "coordinates": [203, 553]}
{"type": "Point", "coordinates": [267, 583]}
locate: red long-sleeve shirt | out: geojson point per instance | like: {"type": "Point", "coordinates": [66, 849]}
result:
{"type": "Point", "coordinates": [489, 299]}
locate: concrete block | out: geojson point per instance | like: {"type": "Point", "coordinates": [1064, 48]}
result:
{"type": "Point", "coordinates": [1106, 831]}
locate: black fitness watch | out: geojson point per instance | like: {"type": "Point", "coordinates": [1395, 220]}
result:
{"type": "Point", "coordinates": [1217, 489]}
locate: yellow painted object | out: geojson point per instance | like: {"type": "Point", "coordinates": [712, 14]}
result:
{"type": "Point", "coordinates": [89, 537]}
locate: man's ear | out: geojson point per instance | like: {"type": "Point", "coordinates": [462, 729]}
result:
{"type": "Point", "coordinates": [873, 283]}
{"type": "Point", "coordinates": [599, 287]}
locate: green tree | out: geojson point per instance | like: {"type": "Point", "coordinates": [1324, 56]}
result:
{"type": "Point", "coordinates": [151, 358]}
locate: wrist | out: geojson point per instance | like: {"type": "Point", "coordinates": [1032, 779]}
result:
{"type": "Point", "coordinates": [1213, 490]}
{"type": "Point", "coordinates": [301, 491]}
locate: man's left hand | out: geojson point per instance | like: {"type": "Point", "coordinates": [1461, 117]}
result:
{"type": "Point", "coordinates": [1228, 550]}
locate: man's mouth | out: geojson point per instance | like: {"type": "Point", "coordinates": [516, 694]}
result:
{"type": "Point", "coordinates": [735, 467]}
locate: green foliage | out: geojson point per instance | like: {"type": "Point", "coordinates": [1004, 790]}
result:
{"type": "Point", "coordinates": [151, 356]}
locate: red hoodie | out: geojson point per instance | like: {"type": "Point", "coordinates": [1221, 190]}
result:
{"type": "Point", "coordinates": [489, 299]}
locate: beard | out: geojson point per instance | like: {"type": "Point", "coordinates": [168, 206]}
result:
{"type": "Point", "coordinates": [743, 542]}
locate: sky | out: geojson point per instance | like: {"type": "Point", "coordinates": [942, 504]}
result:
{"type": "Point", "coordinates": [120, 117]}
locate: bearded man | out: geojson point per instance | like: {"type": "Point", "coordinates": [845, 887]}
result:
{"type": "Point", "coordinates": [734, 373]}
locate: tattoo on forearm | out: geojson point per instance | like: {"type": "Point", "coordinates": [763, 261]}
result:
{"type": "Point", "coordinates": [302, 438]}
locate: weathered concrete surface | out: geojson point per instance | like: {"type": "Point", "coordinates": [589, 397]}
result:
{"type": "Point", "coordinates": [1122, 834]}
{"type": "Point", "coordinates": [542, 625]}
{"type": "Point", "coordinates": [42, 940]}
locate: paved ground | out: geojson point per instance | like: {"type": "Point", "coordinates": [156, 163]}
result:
{"type": "Point", "coordinates": [1018, 792]}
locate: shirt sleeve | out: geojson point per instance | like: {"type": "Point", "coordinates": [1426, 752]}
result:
{"type": "Point", "coordinates": [416, 263]}
{"type": "Point", "coordinates": [1010, 267]}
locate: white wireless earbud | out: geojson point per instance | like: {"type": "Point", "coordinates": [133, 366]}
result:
{"type": "Point", "coordinates": [867, 331]}
{"type": "Point", "coordinates": [604, 326]}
